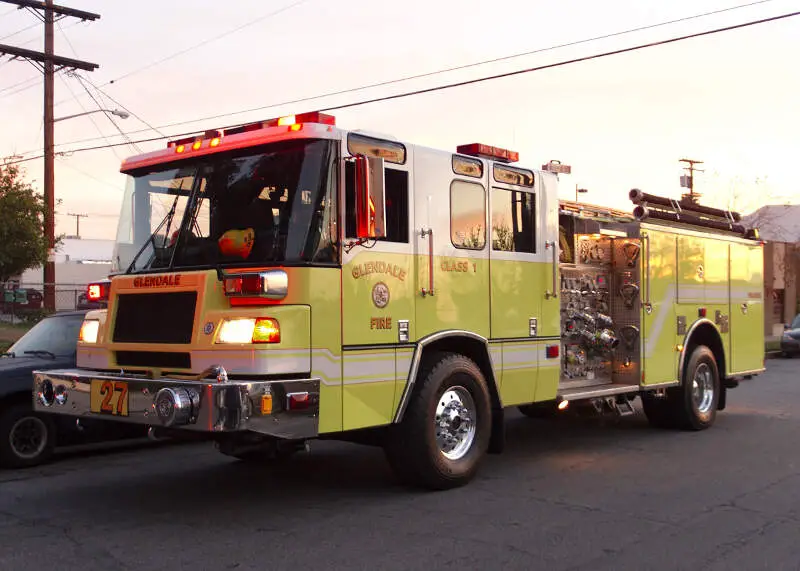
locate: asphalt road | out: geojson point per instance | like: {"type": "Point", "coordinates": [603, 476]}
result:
{"type": "Point", "coordinates": [567, 494]}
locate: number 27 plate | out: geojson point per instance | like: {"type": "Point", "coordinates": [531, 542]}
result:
{"type": "Point", "coordinates": [109, 397]}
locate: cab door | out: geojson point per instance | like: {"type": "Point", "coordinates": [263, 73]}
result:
{"type": "Point", "coordinates": [452, 245]}
{"type": "Point", "coordinates": [378, 291]}
{"type": "Point", "coordinates": [524, 274]}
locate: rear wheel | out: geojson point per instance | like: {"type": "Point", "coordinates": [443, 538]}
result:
{"type": "Point", "coordinates": [693, 405]}
{"type": "Point", "coordinates": [446, 429]}
{"type": "Point", "coordinates": [26, 438]}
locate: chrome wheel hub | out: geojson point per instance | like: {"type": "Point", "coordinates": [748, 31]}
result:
{"type": "Point", "coordinates": [28, 437]}
{"type": "Point", "coordinates": [703, 388]}
{"type": "Point", "coordinates": [455, 422]}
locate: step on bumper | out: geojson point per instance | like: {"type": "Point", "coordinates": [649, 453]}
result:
{"type": "Point", "coordinates": [210, 403]}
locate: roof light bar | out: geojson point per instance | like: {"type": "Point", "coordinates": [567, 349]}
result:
{"type": "Point", "coordinates": [292, 121]}
{"type": "Point", "coordinates": [488, 152]}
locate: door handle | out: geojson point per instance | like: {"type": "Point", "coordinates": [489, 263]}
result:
{"type": "Point", "coordinates": [648, 307]}
{"type": "Point", "coordinates": [429, 234]}
{"type": "Point", "coordinates": [554, 294]}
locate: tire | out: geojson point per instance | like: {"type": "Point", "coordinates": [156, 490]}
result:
{"type": "Point", "coordinates": [693, 405]}
{"type": "Point", "coordinates": [659, 411]}
{"type": "Point", "coordinates": [450, 386]}
{"type": "Point", "coordinates": [539, 409]}
{"type": "Point", "coordinates": [696, 404]}
{"type": "Point", "coordinates": [26, 439]}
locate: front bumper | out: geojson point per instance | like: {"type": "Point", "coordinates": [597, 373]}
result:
{"type": "Point", "coordinates": [286, 409]}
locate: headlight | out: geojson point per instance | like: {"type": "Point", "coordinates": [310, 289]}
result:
{"type": "Point", "coordinates": [89, 330]}
{"type": "Point", "coordinates": [249, 330]}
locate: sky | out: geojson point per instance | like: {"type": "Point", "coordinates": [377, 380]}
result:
{"type": "Point", "coordinates": [620, 122]}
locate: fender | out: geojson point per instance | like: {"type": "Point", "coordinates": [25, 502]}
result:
{"type": "Point", "coordinates": [686, 341]}
{"type": "Point", "coordinates": [416, 361]}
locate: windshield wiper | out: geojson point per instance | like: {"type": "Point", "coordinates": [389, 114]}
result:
{"type": "Point", "coordinates": [152, 239]}
{"type": "Point", "coordinates": [40, 352]}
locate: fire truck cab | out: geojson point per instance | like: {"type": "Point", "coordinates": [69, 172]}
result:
{"type": "Point", "coordinates": [289, 280]}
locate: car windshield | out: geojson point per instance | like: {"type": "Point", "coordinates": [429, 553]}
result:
{"type": "Point", "coordinates": [265, 205]}
{"type": "Point", "coordinates": [57, 335]}
{"type": "Point", "coordinates": [796, 322]}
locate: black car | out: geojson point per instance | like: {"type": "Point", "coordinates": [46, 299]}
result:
{"type": "Point", "coordinates": [790, 342]}
{"type": "Point", "coordinates": [26, 438]}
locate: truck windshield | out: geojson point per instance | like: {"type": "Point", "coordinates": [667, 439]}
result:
{"type": "Point", "coordinates": [257, 206]}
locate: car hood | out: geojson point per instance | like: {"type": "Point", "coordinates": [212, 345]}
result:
{"type": "Point", "coordinates": [16, 366]}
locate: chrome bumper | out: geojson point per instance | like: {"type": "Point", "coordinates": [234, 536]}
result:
{"type": "Point", "coordinates": [286, 409]}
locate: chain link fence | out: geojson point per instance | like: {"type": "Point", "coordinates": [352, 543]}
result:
{"type": "Point", "coordinates": [24, 301]}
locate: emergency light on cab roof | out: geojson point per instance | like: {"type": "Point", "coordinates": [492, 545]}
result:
{"type": "Point", "coordinates": [293, 122]}
{"type": "Point", "coordinates": [98, 291]}
{"type": "Point", "coordinates": [488, 152]}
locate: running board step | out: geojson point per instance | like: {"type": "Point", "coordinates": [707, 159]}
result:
{"type": "Point", "coordinates": [624, 407]}
{"type": "Point", "coordinates": [598, 392]}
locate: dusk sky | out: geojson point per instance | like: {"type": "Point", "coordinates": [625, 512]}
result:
{"type": "Point", "coordinates": [729, 99]}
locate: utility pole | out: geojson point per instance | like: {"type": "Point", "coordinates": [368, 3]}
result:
{"type": "Point", "coordinates": [47, 63]}
{"type": "Point", "coordinates": [687, 181]}
{"type": "Point", "coordinates": [78, 222]}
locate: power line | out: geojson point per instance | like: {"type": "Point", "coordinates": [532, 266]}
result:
{"type": "Point", "coordinates": [72, 25]}
{"type": "Point", "coordinates": [562, 63]}
{"type": "Point", "coordinates": [36, 79]}
{"type": "Point", "coordinates": [83, 108]}
{"type": "Point", "coordinates": [480, 79]}
{"type": "Point", "coordinates": [25, 29]}
{"type": "Point", "coordinates": [125, 108]}
{"type": "Point", "coordinates": [176, 54]}
{"type": "Point", "coordinates": [206, 42]}
{"type": "Point", "coordinates": [64, 162]}
{"type": "Point", "coordinates": [100, 107]}
{"type": "Point", "coordinates": [438, 72]}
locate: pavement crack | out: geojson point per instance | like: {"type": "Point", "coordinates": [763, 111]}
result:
{"type": "Point", "coordinates": [595, 509]}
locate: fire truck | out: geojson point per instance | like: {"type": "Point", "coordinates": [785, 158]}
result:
{"type": "Point", "coordinates": [289, 280]}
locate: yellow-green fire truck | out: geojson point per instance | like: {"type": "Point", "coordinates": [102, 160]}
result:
{"type": "Point", "coordinates": [288, 280]}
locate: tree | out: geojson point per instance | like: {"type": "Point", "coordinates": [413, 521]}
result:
{"type": "Point", "coordinates": [23, 243]}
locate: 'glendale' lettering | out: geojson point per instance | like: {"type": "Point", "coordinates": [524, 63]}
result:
{"type": "Point", "coordinates": [157, 281]}
{"type": "Point", "coordinates": [362, 270]}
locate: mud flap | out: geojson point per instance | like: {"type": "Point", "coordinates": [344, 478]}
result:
{"type": "Point", "coordinates": [497, 441]}
{"type": "Point", "coordinates": [723, 398]}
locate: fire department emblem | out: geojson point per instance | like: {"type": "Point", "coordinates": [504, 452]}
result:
{"type": "Point", "coordinates": [380, 295]}
{"type": "Point", "coordinates": [209, 328]}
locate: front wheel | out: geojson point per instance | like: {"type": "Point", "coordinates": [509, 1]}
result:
{"type": "Point", "coordinates": [446, 429]}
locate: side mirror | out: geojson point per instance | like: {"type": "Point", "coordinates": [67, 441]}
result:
{"type": "Point", "coordinates": [370, 197]}
{"type": "Point", "coordinates": [786, 326]}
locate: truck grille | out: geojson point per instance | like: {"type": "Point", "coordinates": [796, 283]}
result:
{"type": "Point", "coordinates": [155, 317]}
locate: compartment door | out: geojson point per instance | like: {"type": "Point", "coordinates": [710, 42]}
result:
{"type": "Point", "coordinates": [747, 308]}
{"type": "Point", "coordinates": [659, 333]}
